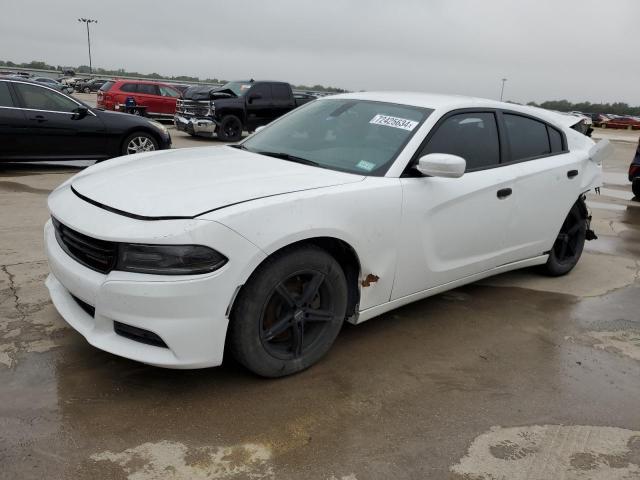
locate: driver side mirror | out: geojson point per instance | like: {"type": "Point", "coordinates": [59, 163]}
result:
{"type": "Point", "coordinates": [441, 165]}
{"type": "Point", "coordinates": [79, 113]}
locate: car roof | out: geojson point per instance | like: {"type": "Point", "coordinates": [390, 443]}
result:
{"type": "Point", "coordinates": [448, 102]}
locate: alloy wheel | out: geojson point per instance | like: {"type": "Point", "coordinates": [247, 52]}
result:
{"type": "Point", "coordinates": [140, 144]}
{"type": "Point", "coordinates": [565, 247]}
{"type": "Point", "coordinates": [296, 314]}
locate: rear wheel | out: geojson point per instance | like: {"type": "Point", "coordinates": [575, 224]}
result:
{"type": "Point", "coordinates": [289, 313]}
{"type": "Point", "coordinates": [567, 248]}
{"type": "Point", "coordinates": [139, 142]}
{"type": "Point", "coordinates": [87, 90]}
{"type": "Point", "coordinates": [635, 186]}
{"type": "Point", "coordinates": [230, 129]}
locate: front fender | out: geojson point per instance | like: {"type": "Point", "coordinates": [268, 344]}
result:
{"type": "Point", "coordinates": [365, 215]}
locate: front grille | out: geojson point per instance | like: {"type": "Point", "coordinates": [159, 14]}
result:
{"type": "Point", "coordinates": [98, 255]}
{"type": "Point", "coordinates": [85, 306]}
{"type": "Point", "coordinates": [192, 107]}
{"type": "Point", "coordinates": [138, 334]}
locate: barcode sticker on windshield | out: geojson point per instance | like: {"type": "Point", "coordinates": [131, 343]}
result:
{"type": "Point", "coordinates": [394, 122]}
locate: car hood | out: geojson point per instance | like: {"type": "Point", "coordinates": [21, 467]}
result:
{"type": "Point", "coordinates": [186, 183]}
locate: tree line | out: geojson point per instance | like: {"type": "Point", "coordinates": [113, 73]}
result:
{"type": "Point", "coordinates": [616, 108]}
{"type": "Point", "coordinates": [102, 72]}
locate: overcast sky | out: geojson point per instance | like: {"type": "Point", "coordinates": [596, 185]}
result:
{"type": "Point", "coordinates": [547, 49]}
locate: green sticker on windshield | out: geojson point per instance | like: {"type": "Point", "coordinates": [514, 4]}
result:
{"type": "Point", "coordinates": [364, 165]}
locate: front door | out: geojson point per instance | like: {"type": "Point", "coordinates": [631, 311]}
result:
{"type": "Point", "coordinates": [456, 227]}
{"type": "Point", "coordinates": [54, 132]}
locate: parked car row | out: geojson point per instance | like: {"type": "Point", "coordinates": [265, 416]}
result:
{"type": "Point", "coordinates": [611, 121]}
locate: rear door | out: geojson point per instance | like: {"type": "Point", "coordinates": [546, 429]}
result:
{"type": "Point", "coordinates": [456, 227]}
{"type": "Point", "coordinates": [148, 95]}
{"type": "Point", "coordinates": [282, 99]}
{"type": "Point", "coordinates": [13, 125]}
{"type": "Point", "coordinates": [54, 132]}
{"type": "Point", "coordinates": [548, 182]}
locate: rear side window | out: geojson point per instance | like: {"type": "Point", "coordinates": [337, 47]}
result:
{"type": "Point", "coordinates": [262, 89]}
{"type": "Point", "coordinates": [129, 87]}
{"type": "Point", "coordinates": [527, 137]}
{"type": "Point", "coordinates": [5, 95]}
{"type": "Point", "coordinates": [281, 92]}
{"type": "Point", "coordinates": [106, 86]}
{"type": "Point", "coordinates": [147, 89]}
{"type": "Point", "coordinates": [555, 139]}
{"type": "Point", "coordinates": [472, 136]}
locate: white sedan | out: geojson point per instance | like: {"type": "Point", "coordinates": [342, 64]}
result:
{"type": "Point", "coordinates": [343, 209]}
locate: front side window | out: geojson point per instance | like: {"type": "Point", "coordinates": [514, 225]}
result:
{"type": "Point", "coordinates": [5, 95]}
{"type": "Point", "coordinates": [356, 136]}
{"type": "Point", "coordinates": [168, 92]}
{"type": "Point", "coordinates": [238, 88]}
{"type": "Point", "coordinates": [39, 98]}
{"type": "Point", "coordinates": [262, 89]}
{"type": "Point", "coordinates": [527, 137]}
{"type": "Point", "coordinates": [472, 136]}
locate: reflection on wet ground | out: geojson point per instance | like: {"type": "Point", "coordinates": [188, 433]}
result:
{"type": "Point", "coordinates": [473, 383]}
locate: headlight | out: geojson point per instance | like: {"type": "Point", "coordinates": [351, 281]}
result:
{"type": "Point", "coordinates": [159, 126]}
{"type": "Point", "coordinates": [168, 259]}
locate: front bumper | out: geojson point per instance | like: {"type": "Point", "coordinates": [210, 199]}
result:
{"type": "Point", "coordinates": [195, 126]}
{"type": "Point", "coordinates": [189, 313]}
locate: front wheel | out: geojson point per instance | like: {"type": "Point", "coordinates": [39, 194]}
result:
{"type": "Point", "coordinates": [87, 90]}
{"type": "Point", "coordinates": [567, 248]}
{"type": "Point", "coordinates": [230, 129]}
{"type": "Point", "coordinates": [289, 313]}
{"type": "Point", "coordinates": [139, 142]}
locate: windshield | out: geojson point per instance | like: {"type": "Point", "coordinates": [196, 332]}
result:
{"type": "Point", "coordinates": [239, 88]}
{"type": "Point", "coordinates": [357, 136]}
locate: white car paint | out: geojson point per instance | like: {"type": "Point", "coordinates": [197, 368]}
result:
{"type": "Point", "coordinates": [418, 236]}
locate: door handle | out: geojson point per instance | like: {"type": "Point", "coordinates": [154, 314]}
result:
{"type": "Point", "coordinates": [504, 193]}
{"type": "Point", "coordinates": [38, 118]}
{"type": "Point", "coordinates": [572, 173]}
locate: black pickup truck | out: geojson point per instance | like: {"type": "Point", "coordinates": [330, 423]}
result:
{"type": "Point", "coordinates": [234, 107]}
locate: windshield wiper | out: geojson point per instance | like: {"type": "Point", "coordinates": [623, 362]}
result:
{"type": "Point", "coordinates": [290, 158]}
{"type": "Point", "coordinates": [239, 147]}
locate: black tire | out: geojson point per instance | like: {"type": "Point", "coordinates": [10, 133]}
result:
{"type": "Point", "coordinates": [635, 187]}
{"type": "Point", "coordinates": [567, 248]}
{"type": "Point", "coordinates": [230, 129]}
{"type": "Point", "coordinates": [87, 90]}
{"type": "Point", "coordinates": [145, 141]}
{"type": "Point", "coordinates": [273, 329]}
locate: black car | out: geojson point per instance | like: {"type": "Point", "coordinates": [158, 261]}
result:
{"type": "Point", "coordinates": [234, 107]}
{"type": "Point", "coordinates": [92, 85]}
{"type": "Point", "coordinates": [40, 123]}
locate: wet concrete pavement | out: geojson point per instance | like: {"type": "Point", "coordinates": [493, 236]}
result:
{"type": "Point", "coordinates": [519, 376]}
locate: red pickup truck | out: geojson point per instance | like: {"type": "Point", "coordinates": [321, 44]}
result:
{"type": "Point", "coordinates": [158, 98]}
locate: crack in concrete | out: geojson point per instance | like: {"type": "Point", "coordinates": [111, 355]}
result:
{"type": "Point", "coordinates": [31, 262]}
{"type": "Point", "coordinates": [14, 292]}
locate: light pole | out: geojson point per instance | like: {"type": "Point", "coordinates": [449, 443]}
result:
{"type": "Point", "coordinates": [87, 21]}
{"type": "Point", "coordinates": [504, 80]}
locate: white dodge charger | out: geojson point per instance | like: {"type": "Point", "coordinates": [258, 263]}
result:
{"type": "Point", "coordinates": [343, 209]}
